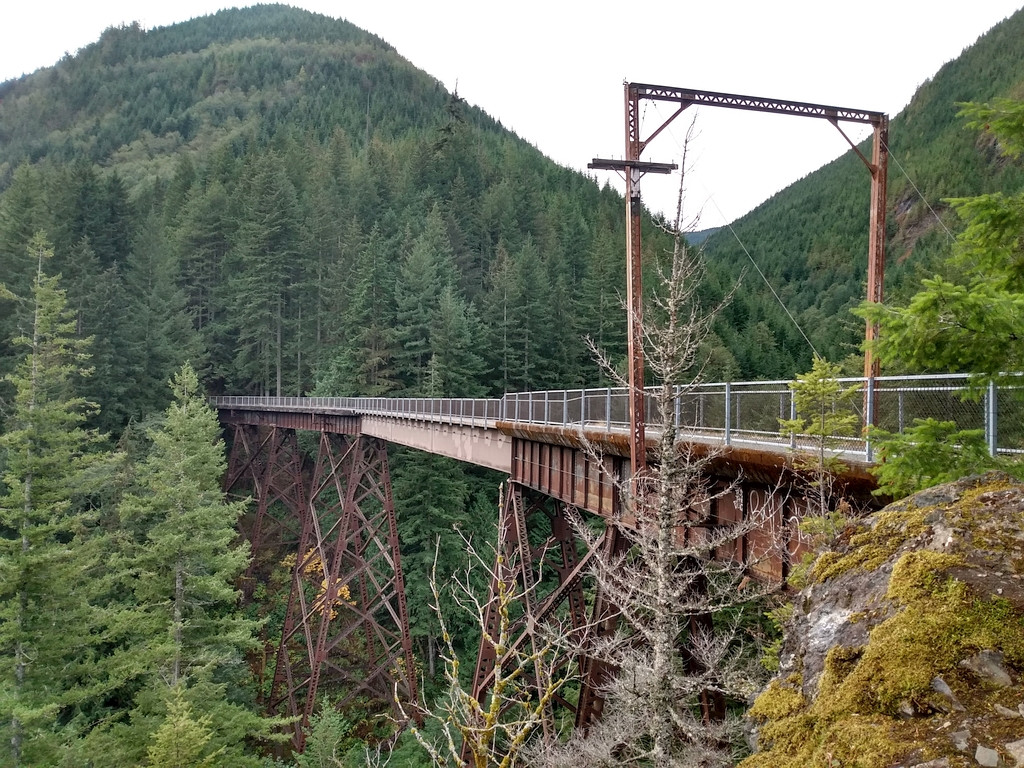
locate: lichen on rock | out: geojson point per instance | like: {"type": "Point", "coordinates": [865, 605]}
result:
{"type": "Point", "coordinates": [928, 583]}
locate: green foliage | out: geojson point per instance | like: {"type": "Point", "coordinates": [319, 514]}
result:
{"type": "Point", "coordinates": [329, 740]}
{"type": "Point", "coordinates": [184, 545]}
{"type": "Point", "coordinates": [45, 455]}
{"type": "Point", "coordinates": [971, 318]}
{"type": "Point", "coordinates": [181, 741]}
{"type": "Point", "coordinates": [928, 453]}
{"type": "Point", "coordinates": [170, 623]}
{"type": "Point", "coordinates": [824, 412]}
{"type": "Point", "coordinates": [1003, 119]}
{"type": "Point", "coordinates": [823, 404]}
{"type": "Point", "coordinates": [777, 618]}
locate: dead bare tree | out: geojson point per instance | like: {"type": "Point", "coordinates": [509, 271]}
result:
{"type": "Point", "coordinates": [679, 652]}
{"type": "Point", "coordinates": [494, 731]}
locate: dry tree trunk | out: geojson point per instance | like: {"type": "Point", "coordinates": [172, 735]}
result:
{"type": "Point", "coordinates": [678, 657]}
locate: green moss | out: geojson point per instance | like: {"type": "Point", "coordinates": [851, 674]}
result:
{"type": "Point", "coordinates": [853, 720]}
{"type": "Point", "coordinates": [871, 548]}
{"type": "Point", "coordinates": [919, 574]}
{"type": "Point", "coordinates": [860, 742]}
{"type": "Point", "coordinates": [779, 700]}
{"type": "Point", "coordinates": [840, 661]}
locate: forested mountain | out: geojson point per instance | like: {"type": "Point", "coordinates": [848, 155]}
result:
{"type": "Point", "coordinates": [283, 202]}
{"type": "Point", "coordinates": [284, 196]}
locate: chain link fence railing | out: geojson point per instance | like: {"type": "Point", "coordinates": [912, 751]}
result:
{"type": "Point", "coordinates": [741, 413]}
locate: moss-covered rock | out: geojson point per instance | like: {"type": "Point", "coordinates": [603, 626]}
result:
{"type": "Point", "coordinates": [884, 626]}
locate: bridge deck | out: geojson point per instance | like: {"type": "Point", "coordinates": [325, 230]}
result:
{"type": "Point", "coordinates": [739, 421]}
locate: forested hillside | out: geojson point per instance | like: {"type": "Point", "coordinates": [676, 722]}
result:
{"type": "Point", "coordinates": [281, 202]}
{"type": "Point", "coordinates": [811, 238]}
{"type": "Point", "coordinates": [284, 197]}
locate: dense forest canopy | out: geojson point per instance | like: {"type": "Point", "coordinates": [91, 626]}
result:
{"type": "Point", "coordinates": [280, 201]}
{"type": "Point", "coordinates": [261, 177]}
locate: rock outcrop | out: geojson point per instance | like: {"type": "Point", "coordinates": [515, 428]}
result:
{"type": "Point", "coordinates": [907, 646]}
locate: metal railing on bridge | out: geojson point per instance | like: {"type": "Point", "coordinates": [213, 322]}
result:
{"type": "Point", "coordinates": [730, 413]}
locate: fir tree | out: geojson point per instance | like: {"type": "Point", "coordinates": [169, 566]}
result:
{"type": "Point", "coordinates": [186, 554]}
{"type": "Point", "coordinates": [180, 635]}
{"type": "Point", "coordinates": [45, 451]}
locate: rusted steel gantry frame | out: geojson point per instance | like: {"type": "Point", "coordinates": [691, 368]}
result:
{"type": "Point", "coordinates": [634, 169]}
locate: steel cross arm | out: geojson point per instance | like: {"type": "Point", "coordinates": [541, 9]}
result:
{"type": "Point", "coordinates": [685, 97]}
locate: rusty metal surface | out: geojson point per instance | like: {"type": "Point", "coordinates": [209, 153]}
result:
{"type": "Point", "coordinates": [686, 97]}
{"type": "Point", "coordinates": [346, 624]}
{"type": "Point", "coordinates": [561, 462]}
{"type": "Point", "coordinates": [311, 421]}
{"type": "Point", "coordinates": [569, 474]}
{"type": "Point", "coordinates": [690, 96]}
{"type": "Point", "coordinates": [523, 564]}
{"type": "Point", "coordinates": [634, 291]}
{"type": "Point", "coordinates": [876, 243]}
{"type": "Point", "coordinates": [266, 464]}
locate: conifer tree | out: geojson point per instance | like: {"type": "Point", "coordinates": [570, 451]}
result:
{"type": "Point", "coordinates": [428, 267]}
{"type": "Point", "coordinates": [264, 266]}
{"type": "Point", "coordinates": [824, 412]}
{"type": "Point", "coordinates": [181, 741]}
{"type": "Point", "coordinates": [455, 366]}
{"type": "Point", "coordinates": [182, 637]}
{"type": "Point", "coordinates": [44, 452]}
{"type": "Point", "coordinates": [365, 362]}
{"type": "Point", "coordinates": [185, 543]}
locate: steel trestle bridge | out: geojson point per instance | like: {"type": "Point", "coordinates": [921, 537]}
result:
{"type": "Point", "coordinates": [331, 507]}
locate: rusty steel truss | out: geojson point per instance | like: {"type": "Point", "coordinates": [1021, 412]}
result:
{"type": "Point", "coordinates": [548, 578]}
{"type": "Point", "coordinates": [331, 523]}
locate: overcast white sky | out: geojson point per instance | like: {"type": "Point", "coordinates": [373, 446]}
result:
{"type": "Point", "coordinates": [553, 71]}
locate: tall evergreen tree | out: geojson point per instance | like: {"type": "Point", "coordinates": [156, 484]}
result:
{"type": "Point", "coordinates": [186, 553]}
{"type": "Point", "coordinates": [455, 365]}
{"type": "Point", "coordinates": [160, 336]}
{"type": "Point", "coordinates": [264, 267]}
{"type": "Point", "coordinates": [45, 451]}
{"type": "Point", "coordinates": [364, 363]}
{"type": "Point", "coordinates": [22, 215]}
{"type": "Point", "coordinates": [428, 267]}
{"type": "Point", "coordinates": [182, 636]}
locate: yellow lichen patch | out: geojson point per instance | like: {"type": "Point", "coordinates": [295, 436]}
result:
{"type": "Point", "coordinates": [989, 515]}
{"type": "Point", "coordinates": [869, 549]}
{"type": "Point", "coordinates": [982, 495]}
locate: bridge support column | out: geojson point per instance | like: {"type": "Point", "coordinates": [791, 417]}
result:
{"type": "Point", "coordinates": [346, 627]}
{"type": "Point", "coordinates": [550, 578]}
{"type": "Point", "coordinates": [269, 462]}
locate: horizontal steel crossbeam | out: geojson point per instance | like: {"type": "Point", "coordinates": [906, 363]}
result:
{"type": "Point", "coordinates": [687, 97]}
